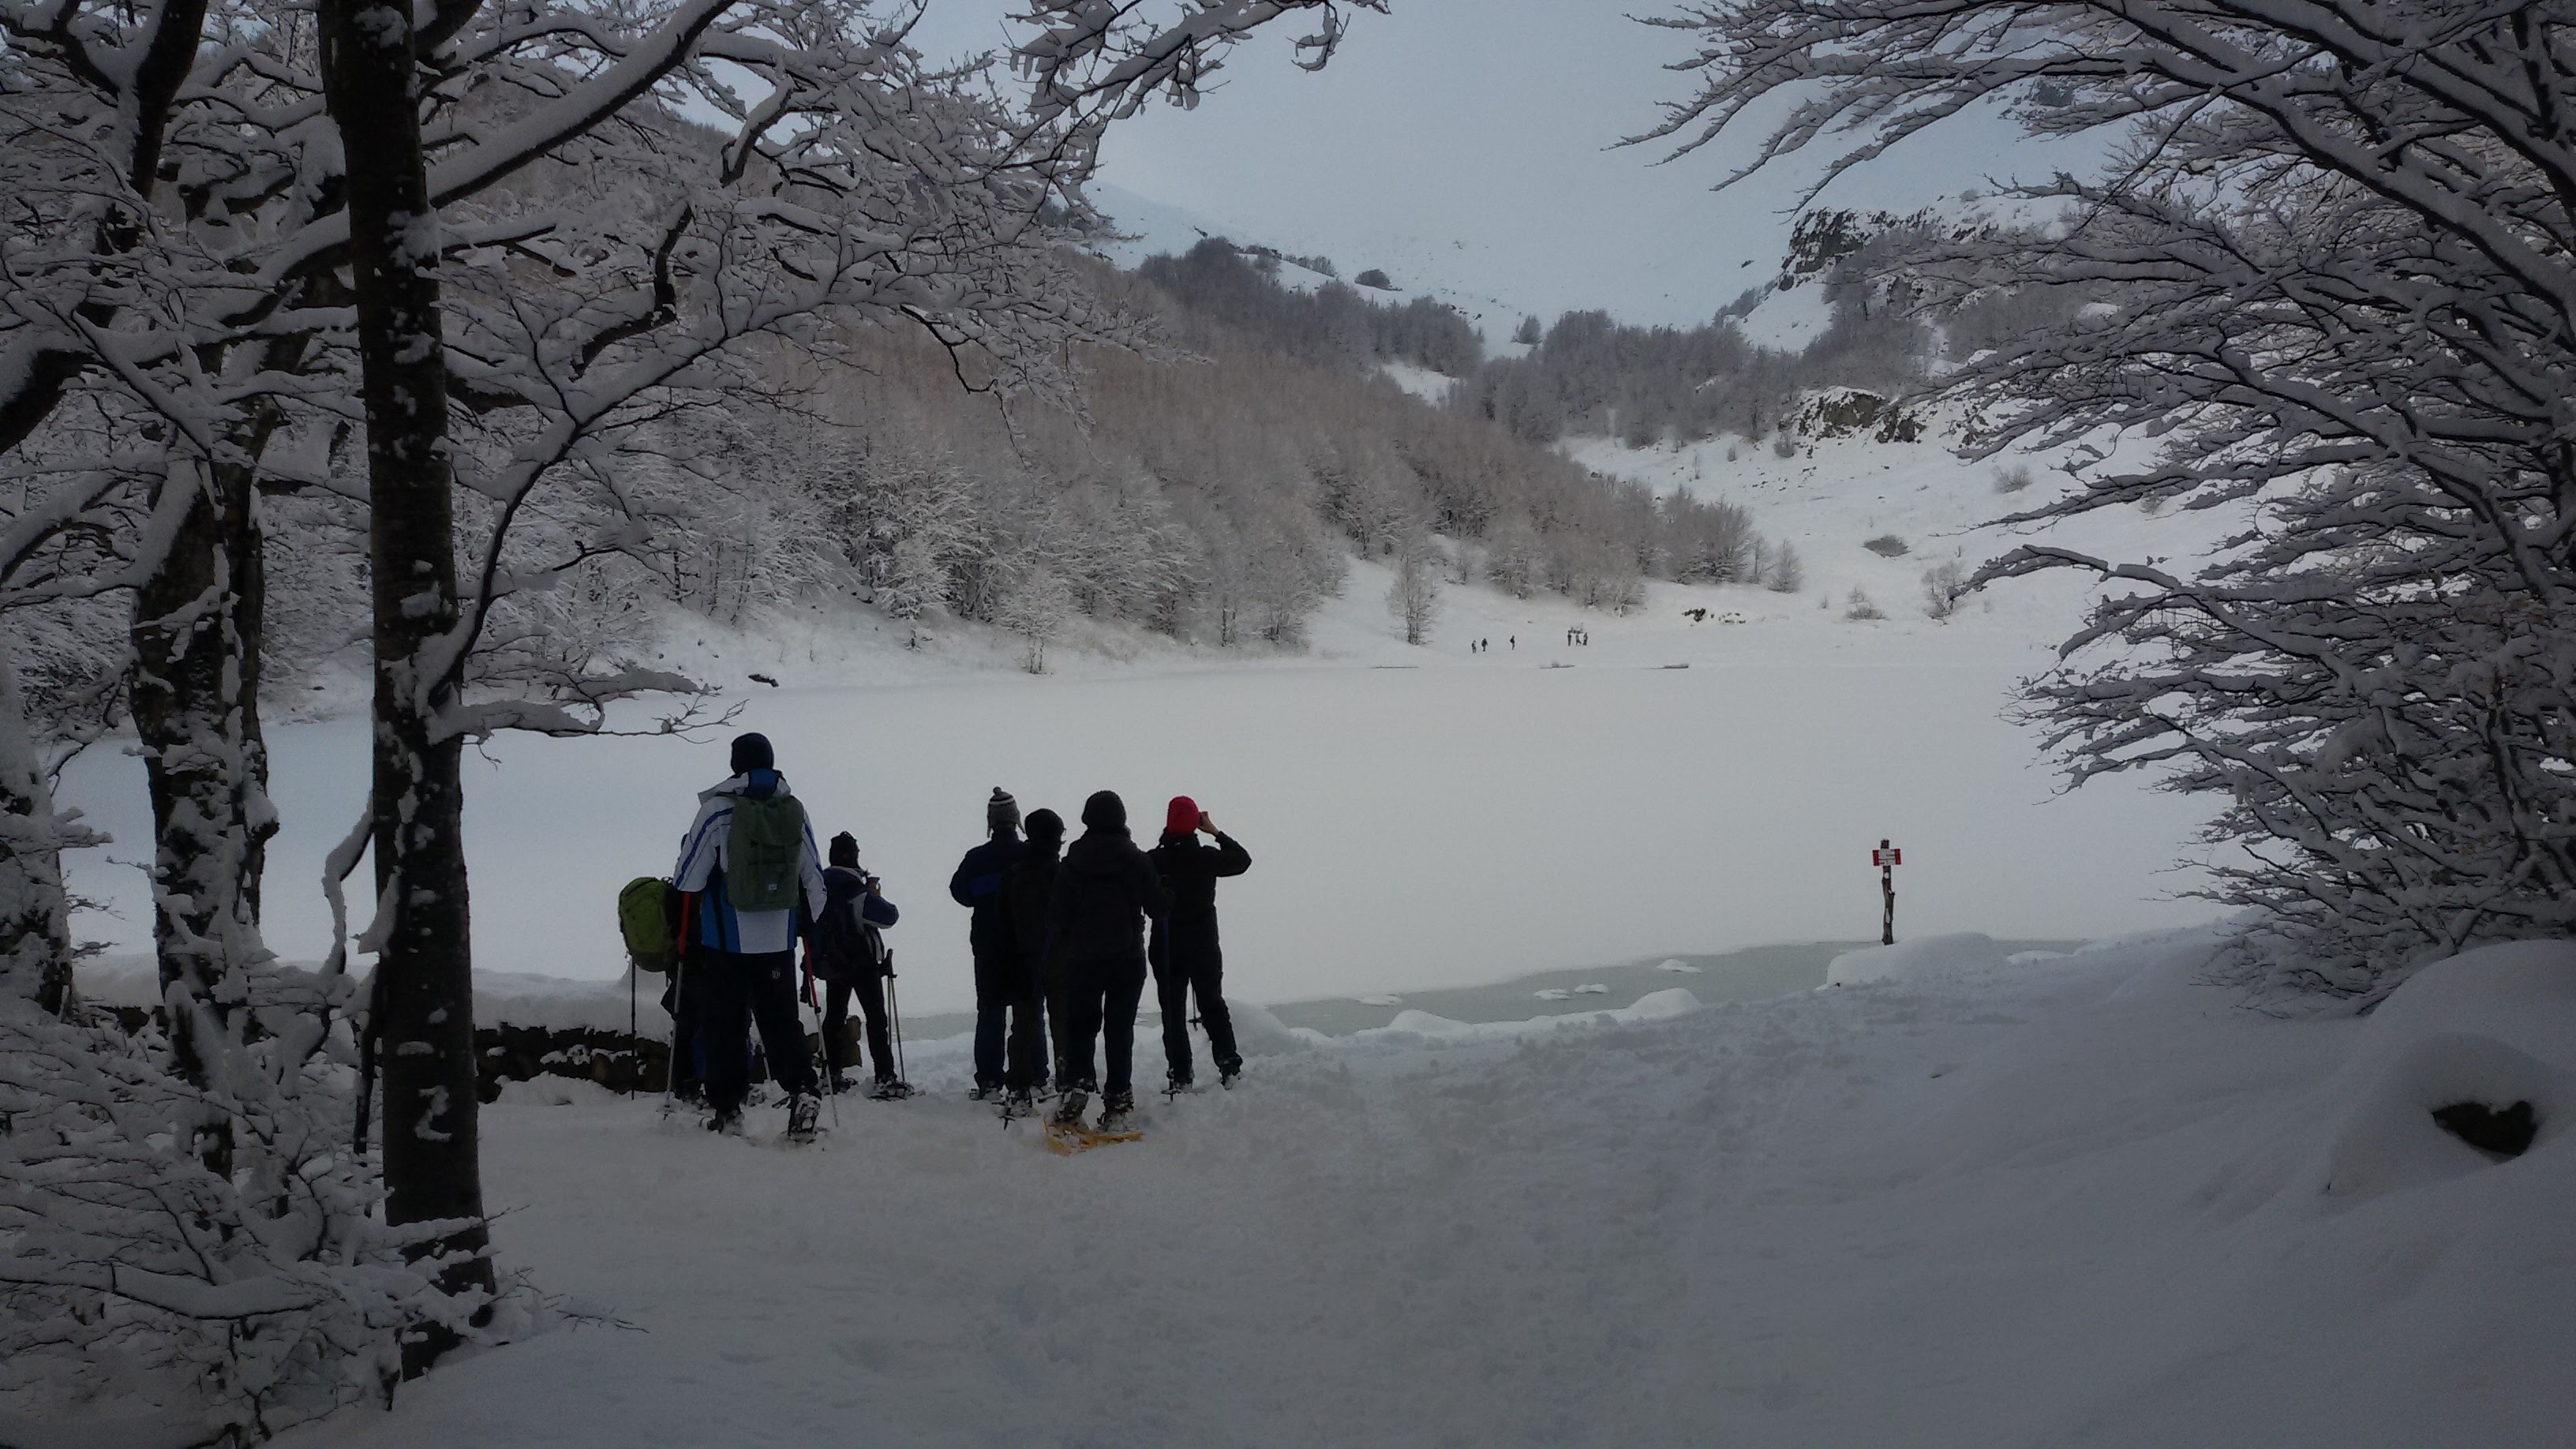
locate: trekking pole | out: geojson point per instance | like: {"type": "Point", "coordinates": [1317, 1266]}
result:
{"type": "Point", "coordinates": [823, 1035]}
{"type": "Point", "coordinates": [634, 969]}
{"type": "Point", "coordinates": [894, 1015]}
{"type": "Point", "coordinates": [671, 1063]}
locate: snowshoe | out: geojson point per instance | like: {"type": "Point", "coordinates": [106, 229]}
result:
{"type": "Point", "coordinates": [1175, 1085]}
{"type": "Point", "coordinates": [802, 1110]}
{"type": "Point", "coordinates": [728, 1124]}
{"type": "Point", "coordinates": [890, 1091]}
{"type": "Point", "coordinates": [1019, 1104]}
{"type": "Point", "coordinates": [1225, 1075]}
{"type": "Point", "coordinates": [981, 1093]}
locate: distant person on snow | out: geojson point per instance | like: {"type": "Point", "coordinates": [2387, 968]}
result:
{"type": "Point", "coordinates": [977, 885]}
{"type": "Point", "coordinates": [748, 866]}
{"type": "Point", "coordinates": [849, 957]}
{"type": "Point", "coordinates": [1105, 892]}
{"type": "Point", "coordinates": [1038, 983]}
{"type": "Point", "coordinates": [1186, 960]}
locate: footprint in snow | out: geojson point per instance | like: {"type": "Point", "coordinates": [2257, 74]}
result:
{"type": "Point", "coordinates": [1553, 993]}
{"type": "Point", "coordinates": [1595, 989]}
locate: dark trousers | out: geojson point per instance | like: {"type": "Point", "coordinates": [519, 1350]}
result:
{"type": "Point", "coordinates": [1188, 964]}
{"type": "Point", "coordinates": [742, 991]}
{"type": "Point", "coordinates": [1103, 997]}
{"type": "Point", "coordinates": [1010, 1030]}
{"type": "Point", "coordinates": [685, 999]}
{"type": "Point", "coordinates": [1060, 1017]}
{"type": "Point", "coordinates": [870, 990]}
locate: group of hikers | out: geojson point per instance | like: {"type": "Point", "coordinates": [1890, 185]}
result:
{"type": "Point", "coordinates": [1063, 937]}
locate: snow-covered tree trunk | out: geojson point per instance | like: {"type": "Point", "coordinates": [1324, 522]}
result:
{"type": "Point", "coordinates": [195, 700]}
{"type": "Point", "coordinates": [35, 929]}
{"type": "Point", "coordinates": [422, 1013]}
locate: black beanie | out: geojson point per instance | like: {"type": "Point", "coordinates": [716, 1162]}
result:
{"type": "Point", "coordinates": [1045, 827]}
{"type": "Point", "coordinates": [752, 752]}
{"type": "Point", "coordinates": [1001, 812]}
{"type": "Point", "coordinates": [845, 850]}
{"type": "Point", "coordinates": [1105, 811]}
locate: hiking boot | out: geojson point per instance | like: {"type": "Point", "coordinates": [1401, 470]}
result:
{"type": "Point", "coordinates": [1068, 1112]}
{"type": "Point", "coordinates": [979, 1092]}
{"type": "Point", "coordinates": [1177, 1083]}
{"type": "Point", "coordinates": [1118, 1112]}
{"type": "Point", "coordinates": [839, 1084]}
{"type": "Point", "coordinates": [727, 1123]}
{"type": "Point", "coordinates": [802, 1110]}
{"type": "Point", "coordinates": [1021, 1104]}
{"type": "Point", "coordinates": [1225, 1075]}
{"type": "Point", "coordinates": [888, 1089]}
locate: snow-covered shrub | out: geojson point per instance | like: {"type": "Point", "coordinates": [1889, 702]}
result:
{"type": "Point", "coordinates": [210, 1253]}
{"type": "Point", "coordinates": [1785, 444]}
{"type": "Point", "coordinates": [1858, 607]}
{"type": "Point", "coordinates": [1888, 545]}
{"type": "Point", "coordinates": [1787, 576]}
{"type": "Point", "coordinates": [2012, 479]}
{"type": "Point", "coordinates": [1943, 586]}
{"type": "Point", "coordinates": [1036, 609]}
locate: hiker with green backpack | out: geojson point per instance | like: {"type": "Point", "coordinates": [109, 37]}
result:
{"type": "Point", "coordinates": [750, 877]}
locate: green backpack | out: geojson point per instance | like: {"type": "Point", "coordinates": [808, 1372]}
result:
{"type": "Point", "coordinates": [762, 852]}
{"type": "Point", "coordinates": [648, 916]}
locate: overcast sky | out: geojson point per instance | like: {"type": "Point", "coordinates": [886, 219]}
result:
{"type": "Point", "coordinates": [1471, 143]}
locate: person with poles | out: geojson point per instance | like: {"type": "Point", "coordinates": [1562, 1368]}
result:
{"type": "Point", "coordinates": [747, 869]}
{"type": "Point", "coordinates": [1038, 983]}
{"type": "Point", "coordinates": [1105, 892]}
{"type": "Point", "coordinates": [846, 953]}
{"type": "Point", "coordinates": [1187, 962]}
{"type": "Point", "coordinates": [977, 885]}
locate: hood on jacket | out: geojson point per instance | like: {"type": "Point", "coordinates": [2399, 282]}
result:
{"type": "Point", "coordinates": [750, 785]}
{"type": "Point", "coordinates": [1100, 853]}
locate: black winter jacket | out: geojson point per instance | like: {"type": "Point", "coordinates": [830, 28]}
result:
{"type": "Point", "coordinates": [1027, 888]}
{"type": "Point", "coordinates": [978, 884]}
{"type": "Point", "coordinates": [1103, 892]}
{"type": "Point", "coordinates": [1190, 872]}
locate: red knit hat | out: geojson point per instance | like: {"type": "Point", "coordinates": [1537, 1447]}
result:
{"type": "Point", "coordinates": [1182, 817]}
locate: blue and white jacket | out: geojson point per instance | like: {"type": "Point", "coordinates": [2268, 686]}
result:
{"type": "Point", "coordinates": [701, 872]}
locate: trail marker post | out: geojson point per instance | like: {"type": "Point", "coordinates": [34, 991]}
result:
{"type": "Point", "coordinates": [1887, 858]}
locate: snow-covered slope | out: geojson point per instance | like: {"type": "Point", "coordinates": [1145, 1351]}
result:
{"type": "Point", "coordinates": [1414, 267]}
{"type": "Point", "coordinates": [1833, 496]}
{"type": "Point", "coordinates": [2072, 1200]}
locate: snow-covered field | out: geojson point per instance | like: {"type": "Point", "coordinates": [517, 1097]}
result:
{"type": "Point", "coordinates": [2058, 1201]}
{"type": "Point", "coordinates": [1461, 821]}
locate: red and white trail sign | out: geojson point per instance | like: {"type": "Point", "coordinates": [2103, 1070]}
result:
{"type": "Point", "coordinates": [1883, 856]}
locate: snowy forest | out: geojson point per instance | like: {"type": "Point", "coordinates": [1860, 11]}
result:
{"type": "Point", "coordinates": [450, 346]}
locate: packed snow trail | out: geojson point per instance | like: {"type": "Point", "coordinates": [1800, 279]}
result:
{"type": "Point", "coordinates": [2077, 1200]}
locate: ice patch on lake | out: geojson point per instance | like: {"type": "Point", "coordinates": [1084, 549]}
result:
{"type": "Point", "coordinates": [1683, 967]}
